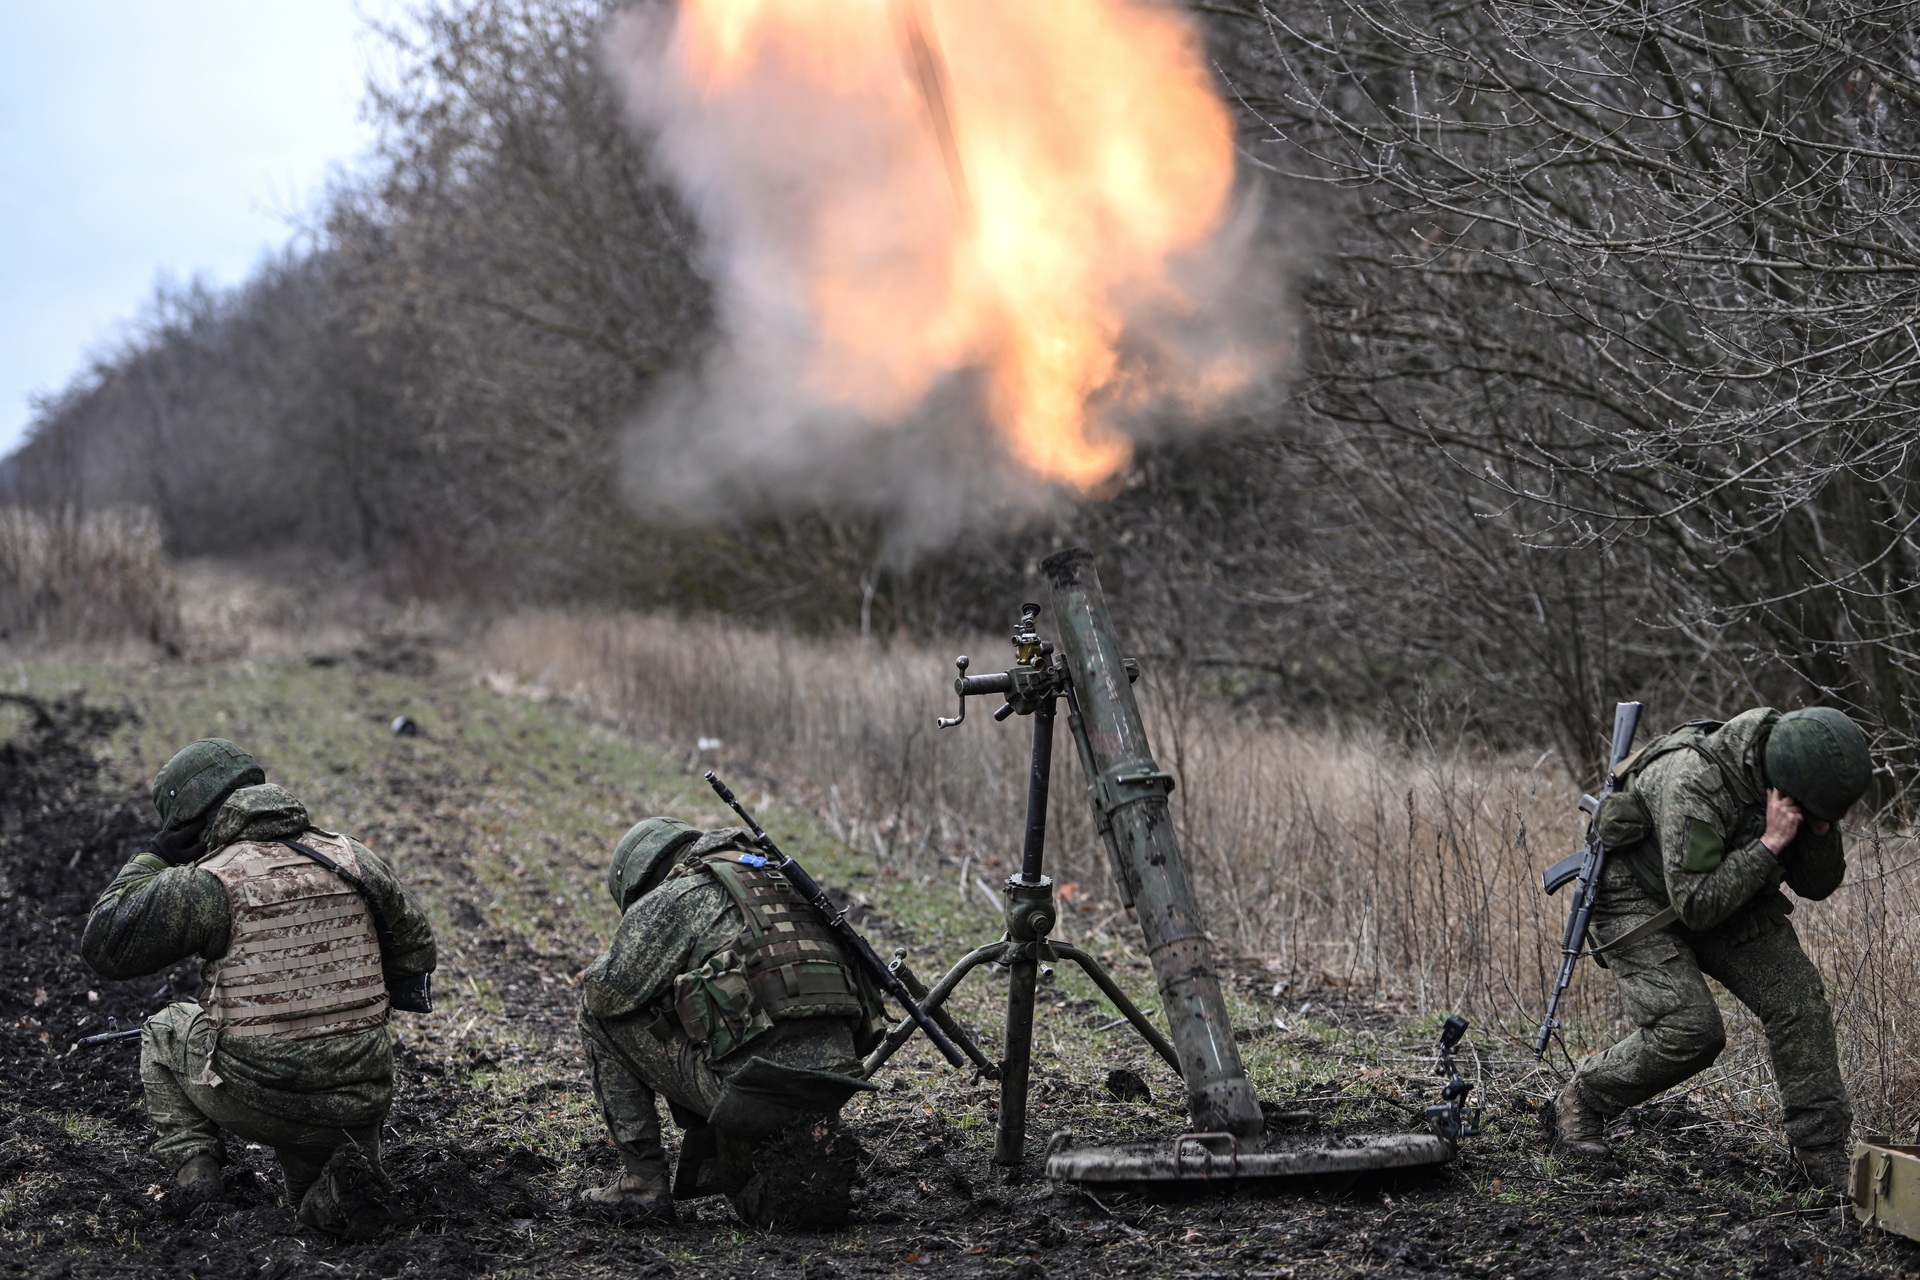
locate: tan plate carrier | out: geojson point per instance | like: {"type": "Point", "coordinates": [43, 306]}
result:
{"type": "Point", "coordinates": [304, 960]}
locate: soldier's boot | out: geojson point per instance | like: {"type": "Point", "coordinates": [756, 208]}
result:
{"type": "Point", "coordinates": [641, 1196]}
{"type": "Point", "coordinates": [1579, 1130]}
{"type": "Point", "coordinates": [352, 1198]}
{"type": "Point", "coordinates": [1828, 1168]}
{"type": "Point", "coordinates": [198, 1180]}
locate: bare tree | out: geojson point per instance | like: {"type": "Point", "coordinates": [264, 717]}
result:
{"type": "Point", "coordinates": [1643, 275]}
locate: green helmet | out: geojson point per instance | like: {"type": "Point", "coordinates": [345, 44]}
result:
{"type": "Point", "coordinates": [1819, 758]}
{"type": "Point", "coordinates": [643, 854]}
{"type": "Point", "coordinates": [199, 776]}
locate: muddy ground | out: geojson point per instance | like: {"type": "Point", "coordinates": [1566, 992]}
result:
{"type": "Point", "coordinates": [78, 1195]}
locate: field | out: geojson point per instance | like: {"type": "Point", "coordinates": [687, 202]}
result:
{"type": "Point", "coordinates": [501, 811]}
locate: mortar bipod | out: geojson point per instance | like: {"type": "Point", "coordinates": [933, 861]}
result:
{"type": "Point", "coordinates": [1032, 686]}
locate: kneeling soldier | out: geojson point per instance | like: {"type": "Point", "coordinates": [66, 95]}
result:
{"type": "Point", "coordinates": [304, 934]}
{"type": "Point", "coordinates": [1710, 822]}
{"type": "Point", "coordinates": [725, 993]}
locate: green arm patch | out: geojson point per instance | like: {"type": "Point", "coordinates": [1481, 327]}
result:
{"type": "Point", "coordinates": [1704, 847]}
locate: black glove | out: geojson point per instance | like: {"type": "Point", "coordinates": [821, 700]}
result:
{"type": "Point", "coordinates": [414, 995]}
{"type": "Point", "coordinates": [177, 846]}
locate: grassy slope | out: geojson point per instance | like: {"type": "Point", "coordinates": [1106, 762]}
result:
{"type": "Point", "coordinates": [501, 815]}
{"type": "Point", "coordinates": [513, 806]}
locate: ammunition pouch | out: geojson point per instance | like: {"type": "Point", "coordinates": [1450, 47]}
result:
{"type": "Point", "coordinates": [715, 1005]}
{"type": "Point", "coordinates": [785, 964]}
{"type": "Point", "coordinates": [1625, 828]}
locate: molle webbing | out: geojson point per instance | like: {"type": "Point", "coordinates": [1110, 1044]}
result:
{"type": "Point", "coordinates": [1644, 856]}
{"type": "Point", "coordinates": [794, 965]}
{"type": "Point", "coordinates": [302, 959]}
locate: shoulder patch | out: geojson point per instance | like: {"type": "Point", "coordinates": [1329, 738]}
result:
{"type": "Point", "coordinates": [1704, 847]}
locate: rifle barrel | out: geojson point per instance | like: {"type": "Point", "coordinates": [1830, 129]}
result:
{"type": "Point", "coordinates": [836, 920]}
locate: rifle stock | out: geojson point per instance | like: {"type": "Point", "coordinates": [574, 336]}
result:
{"type": "Point", "coordinates": [1585, 866]}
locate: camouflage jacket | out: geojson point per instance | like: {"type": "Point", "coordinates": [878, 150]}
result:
{"type": "Point", "coordinates": [676, 927]}
{"type": "Point", "coordinates": [1704, 854]}
{"type": "Point", "coordinates": [154, 915]}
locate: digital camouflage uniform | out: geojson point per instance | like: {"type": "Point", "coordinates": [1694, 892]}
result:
{"type": "Point", "coordinates": [303, 1097]}
{"type": "Point", "coordinates": [1703, 856]}
{"type": "Point", "coordinates": [635, 1011]}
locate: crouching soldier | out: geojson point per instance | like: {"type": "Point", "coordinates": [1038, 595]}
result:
{"type": "Point", "coordinates": [725, 993]}
{"type": "Point", "coordinates": [307, 938]}
{"type": "Point", "coordinates": [1710, 822]}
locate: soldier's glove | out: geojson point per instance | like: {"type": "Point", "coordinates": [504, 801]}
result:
{"type": "Point", "coordinates": [177, 846]}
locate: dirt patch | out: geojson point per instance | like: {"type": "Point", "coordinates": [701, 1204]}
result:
{"type": "Point", "coordinates": [483, 1192]}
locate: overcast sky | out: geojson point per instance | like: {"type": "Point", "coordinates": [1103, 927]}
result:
{"type": "Point", "coordinates": [150, 138]}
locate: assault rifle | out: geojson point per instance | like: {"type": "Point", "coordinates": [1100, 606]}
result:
{"type": "Point", "coordinates": [1584, 866]}
{"type": "Point", "coordinates": [111, 1035]}
{"type": "Point", "coordinates": [858, 947]}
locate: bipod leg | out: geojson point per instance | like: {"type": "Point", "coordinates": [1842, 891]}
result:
{"type": "Point", "coordinates": [931, 1002]}
{"type": "Point", "coordinates": [941, 1018]}
{"type": "Point", "coordinates": [1128, 1010]}
{"type": "Point", "coordinates": [1030, 918]}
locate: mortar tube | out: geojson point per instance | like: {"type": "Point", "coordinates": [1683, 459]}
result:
{"type": "Point", "coordinates": [1132, 792]}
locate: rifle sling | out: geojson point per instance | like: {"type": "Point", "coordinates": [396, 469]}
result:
{"type": "Point", "coordinates": [1651, 924]}
{"type": "Point", "coordinates": [380, 929]}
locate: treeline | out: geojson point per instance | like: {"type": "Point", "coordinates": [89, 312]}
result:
{"type": "Point", "coordinates": [1606, 384]}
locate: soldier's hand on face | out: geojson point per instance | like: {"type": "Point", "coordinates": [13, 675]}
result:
{"type": "Point", "coordinates": [1783, 822]}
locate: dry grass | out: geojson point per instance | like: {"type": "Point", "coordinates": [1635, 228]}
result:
{"type": "Point", "coordinates": [68, 577]}
{"type": "Point", "coordinates": [1337, 857]}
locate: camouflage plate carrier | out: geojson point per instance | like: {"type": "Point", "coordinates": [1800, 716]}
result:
{"type": "Point", "coordinates": [784, 964]}
{"type": "Point", "coordinates": [303, 959]}
{"type": "Point", "coordinates": [1625, 827]}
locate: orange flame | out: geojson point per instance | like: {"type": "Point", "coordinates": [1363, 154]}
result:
{"type": "Point", "coordinates": [1085, 149]}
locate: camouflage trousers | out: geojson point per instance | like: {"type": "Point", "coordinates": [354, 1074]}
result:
{"type": "Point", "coordinates": [631, 1066]}
{"type": "Point", "coordinates": [188, 1117]}
{"type": "Point", "coordinates": [1663, 988]}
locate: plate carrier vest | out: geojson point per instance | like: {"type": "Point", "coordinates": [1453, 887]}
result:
{"type": "Point", "coordinates": [302, 959]}
{"type": "Point", "coordinates": [790, 961]}
{"type": "Point", "coordinates": [1624, 825]}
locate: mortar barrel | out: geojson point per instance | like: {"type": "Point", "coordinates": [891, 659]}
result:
{"type": "Point", "coordinates": [1131, 791]}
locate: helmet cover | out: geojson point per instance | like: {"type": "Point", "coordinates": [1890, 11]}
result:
{"type": "Point", "coordinates": [199, 776]}
{"type": "Point", "coordinates": [1819, 757]}
{"type": "Point", "coordinates": [264, 811]}
{"type": "Point", "coordinates": [643, 854]}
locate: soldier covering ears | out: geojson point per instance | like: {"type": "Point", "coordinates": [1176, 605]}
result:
{"type": "Point", "coordinates": [1708, 823]}
{"type": "Point", "coordinates": [307, 941]}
